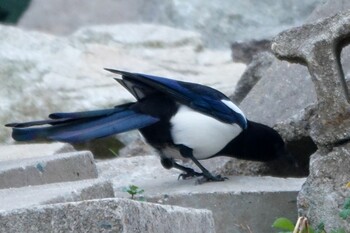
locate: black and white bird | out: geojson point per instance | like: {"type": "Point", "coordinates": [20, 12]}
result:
{"type": "Point", "coordinates": [181, 120]}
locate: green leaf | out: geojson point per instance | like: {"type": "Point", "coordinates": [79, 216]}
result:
{"type": "Point", "coordinates": [283, 224]}
{"type": "Point", "coordinates": [347, 204]}
{"type": "Point", "coordinates": [344, 214]}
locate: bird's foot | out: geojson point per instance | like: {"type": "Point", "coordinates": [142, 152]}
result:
{"type": "Point", "coordinates": [190, 173]}
{"type": "Point", "coordinates": [210, 178]}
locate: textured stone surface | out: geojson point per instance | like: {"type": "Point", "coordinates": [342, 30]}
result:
{"type": "Point", "coordinates": [317, 45]}
{"type": "Point", "coordinates": [283, 92]}
{"type": "Point", "coordinates": [22, 151]}
{"type": "Point", "coordinates": [239, 212]}
{"type": "Point", "coordinates": [285, 96]}
{"type": "Point", "coordinates": [47, 169]}
{"type": "Point", "coordinates": [241, 199]}
{"type": "Point", "coordinates": [253, 73]}
{"type": "Point", "coordinates": [219, 23]}
{"type": "Point", "coordinates": [31, 196]}
{"type": "Point", "coordinates": [107, 215]}
{"type": "Point", "coordinates": [245, 51]}
{"type": "Point", "coordinates": [324, 192]}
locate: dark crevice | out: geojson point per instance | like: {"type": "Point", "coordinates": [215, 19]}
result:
{"type": "Point", "coordinates": [301, 149]}
{"type": "Point", "coordinates": [341, 58]}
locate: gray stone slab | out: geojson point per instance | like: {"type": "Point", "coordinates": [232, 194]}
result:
{"type": "Point", "coordinates": [47, 169]}
{"type": "Point", "coordinates": [30, 196]}
{"type": "Point", "coordinates": [318, 46]}
{"type": "Point", "coordinates": [107, 215]}
{"type": "Point", "coordinates": [237, 203]}
{"type": "Point", "coordinates": [23, 151]}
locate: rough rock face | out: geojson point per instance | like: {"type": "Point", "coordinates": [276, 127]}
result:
{"type": "Point", "coordinates": [246, 51]}
{"type": "Point", "coordinates": [318, 46]}
{"type": "Point", "coordinates": [107, 215]}
{"type": "Point", "coordinates": [286, 98]}
{"type": "Point", "coordinates": [220, 23]}
{"type": "Point", "coordinates": [254, 72]}
{"type": "Point", "coordinates": [42, 73]}
{"type": "Point", "coordinates": [324, 192]}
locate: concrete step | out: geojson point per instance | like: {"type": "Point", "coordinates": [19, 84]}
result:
{"type": "Point", "coordinates": [30, 196]}
{"type": "Point", "coordinates": [239, 204]}
{"type": "Point", "coordinates": [23, 151]}
{"type": "Point", "coordinates": [107, 215]}
{"type": "Point", "coordinates": [36, 164]}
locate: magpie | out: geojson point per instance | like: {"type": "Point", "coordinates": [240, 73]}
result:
{"type": "Point", "coordinates": [181, 120]}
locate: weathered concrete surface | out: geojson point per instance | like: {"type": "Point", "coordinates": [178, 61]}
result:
{"type": "Point", "coordinates": [252, 74]}
{"type": "Point", "coordinates": [324, 192]}
{"type": "Point", "coordinates": [23, 151]}
{"type": "Point", "coordinates": [107, 215]}
{"type": "Point", "coordinates": [318, 46]}
{"type": "Point", "coordinates": [47, 169]}
{"type": "Point", "coordinates": [285, 96]}
{"type": "Point", "coordinates": [31, 196]}
{"type": "Point", "coordinates": [239, 200]}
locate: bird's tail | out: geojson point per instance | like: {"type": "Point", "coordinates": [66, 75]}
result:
{"type": "Point", "coordinates": [82, 126]}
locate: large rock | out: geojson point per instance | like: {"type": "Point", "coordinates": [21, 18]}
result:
{"type": "Point", "coordinates": [254, 72]}
{"type": "Point", "coordinates": [318, 46]}
{"type": "Point", "coordinates": [41, 73]}
{"type": "Point", "coordinates": [220, 23]}
{"type": "Point", "coordinates": [107, 215]}
{"type": "Point", "coordinates": [285, 95]}
{"type": "Point", "coordinates": [324, 193]}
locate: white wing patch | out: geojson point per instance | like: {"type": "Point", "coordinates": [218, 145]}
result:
{"type": "Point", "coordinates": [234, 107]}
{"type": "Point", "coordinates": [204, 134]}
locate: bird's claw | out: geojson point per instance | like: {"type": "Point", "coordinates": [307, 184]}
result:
{"type": "Point", "coordinates": [189, 175]}
{"type": "Point", "coordinates": [211, 178]}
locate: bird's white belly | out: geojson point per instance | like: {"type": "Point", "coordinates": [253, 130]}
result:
{"type": "Point", "coordinates": [204, 134]}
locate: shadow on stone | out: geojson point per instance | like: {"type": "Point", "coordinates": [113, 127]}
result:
{"type": "Point", "coordinates": [102, 148]}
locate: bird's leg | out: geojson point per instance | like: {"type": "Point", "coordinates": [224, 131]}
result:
{"type": "Point", "coordinates": [189, 172]}
{"type": "Point", "coordinates": [188, 153]}
{"type": "Point", "coordinates": [170, 163]}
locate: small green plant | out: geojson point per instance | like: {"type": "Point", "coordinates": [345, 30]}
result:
{"type": "Point", "coordinates": [302, 226]}
{"type": "Point", "coordinates": [133, 190]}
{"type": "Point", "coordinates": [345, 212]}
{"type": "Point", "coordinates": [284, 224]}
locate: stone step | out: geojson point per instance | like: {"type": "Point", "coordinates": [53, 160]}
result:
{"type": "Point", "coordinates": [34, 169]}
{"type": "Point", "coordinates": [107, 215]}
{"type": "Point", "coordinates": [32, 150]}
{"type": "Point", "coordinates": [239, 204]}
{"type": "Point", "coordinates": [30, 196]}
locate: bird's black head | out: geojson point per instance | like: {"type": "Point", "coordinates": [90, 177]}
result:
{"type": "Point", "coordinates": [259, 143]}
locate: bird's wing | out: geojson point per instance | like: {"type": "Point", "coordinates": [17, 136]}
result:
{"type": "Point", "coordinates": [199, 97]}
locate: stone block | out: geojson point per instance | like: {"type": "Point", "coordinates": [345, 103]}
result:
{"type": "Point", "coordinates": [107, 215]}
{"type": "Point", "coordinates": [47, 169]}
{"type": "Point", "coordinates": [24, 151]}
{"type": "Point", "coordinates": [239, 204]}
{"type": "Point", "coordinates": [30, 196]}
{"type": "Point", "coordinates": [318, 46]}
{"type": "Point", "coordinates": [324, 192]}
{"type": "Point", "coordinates": [321, 46]}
